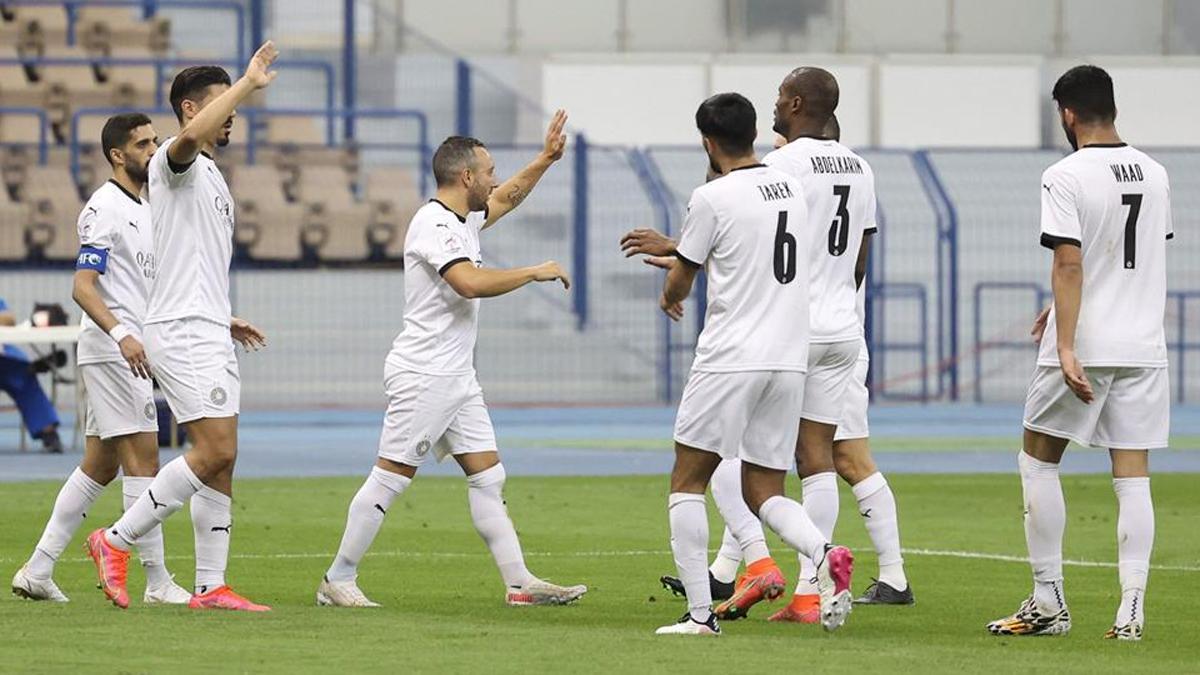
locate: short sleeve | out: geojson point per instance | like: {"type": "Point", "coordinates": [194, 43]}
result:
{"type": "Point", "coordinates": [1060, 215]}
{"type": "Point", "coordinates": [96, 228]}
{"type": "Point", "coordinates": [871, 208]}
{"type": "Point", "coordinates": [1169, 216]}
{"type": "Point", "coordinates": [699, 233]}
{"type": "Point", "coordinates": [439, 246]}
{"type": "Point", "coordinates": [170, 174]}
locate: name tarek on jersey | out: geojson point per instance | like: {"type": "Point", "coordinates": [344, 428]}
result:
{"type": "Point", "coordinates": [775, 191]}
{"type": "Point", "coordinates": [836, 164]}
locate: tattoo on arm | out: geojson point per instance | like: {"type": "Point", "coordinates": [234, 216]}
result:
{"type": "Point", "coordinates": [517, 195]}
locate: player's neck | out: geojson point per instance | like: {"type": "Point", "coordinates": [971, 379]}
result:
{"type": "Point", "coordinates": [805, 128]}
{"type": "Point", "coordinates": [1096, 135]}
{"type": "Point", "coordinates": [728, 164]}
{"type": "Point", "coordinates": [455, 201]}
{"type": "Point", "coordinates": [128, 184]}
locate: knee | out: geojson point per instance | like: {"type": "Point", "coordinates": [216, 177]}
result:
{"type": "Point", "coordinates": [853, 468]}
{"type": "Point", "coordinates": [101, 474]}
{"type": "Point", "coordinates": [141, 466]}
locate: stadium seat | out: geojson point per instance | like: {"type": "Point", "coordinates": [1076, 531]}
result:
{"type": "Point", "coordinates": [394, 197]}
{"type": "Point", "coordinates": [42, 24]}
{"type": "Point", "coordinates": [335, 223]}
{"type": "Point", "coordinates": [20, 128]}
{"type": "Point", "coordinates": [17, 91]}
{"type": "Point", "coordinates": [99, 27]}
{"type": "Point", "coordinates": [267, 225]}
{"type": "Point", "coordinates": [13, 220]}
{"type": "Point", "coordinates": [54, 204]}
{"type": "Point", "coordinates": [288, 130]}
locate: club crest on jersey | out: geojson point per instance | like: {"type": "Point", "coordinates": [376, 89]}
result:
{"type": "Point", "coordinates": [150, 410]}
{"type": "Point", "coordinates": [218, 396]}
{"type": "Point", "coordinates": [224, 210]}
{"type": "Point", "coordinates": [423, 447]}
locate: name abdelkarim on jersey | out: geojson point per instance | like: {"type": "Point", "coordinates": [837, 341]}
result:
{"type": "Point", "coordinates": [749, 229]}
{"type": "Point", "coordinates": [193, 239]}
{"type": "Point", "coordinates": [116, 240]}
{"type": "Point", "coordinates": [1114, 202]}
{"type": "Point", "coordinates": [440, 326]}
{"type": "Point", "coordinates": [839, 189]}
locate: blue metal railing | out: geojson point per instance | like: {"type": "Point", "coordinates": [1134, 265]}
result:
{"type": "Point", "coordinates": [149, 9]}
{"type": "Point", "coordinates": [660, 195]}
{"type": "Point", "coordinates": [881, 294]}
{"type": "Point", "coordinates": [43, 143]}
{"type": "Point", "coordinates": [947, 275]}
{"type": "Point", "coordinates": [579, 239]}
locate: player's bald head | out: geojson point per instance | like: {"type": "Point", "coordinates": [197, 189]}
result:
{"type": "Point", "coordinates": [816, 87]}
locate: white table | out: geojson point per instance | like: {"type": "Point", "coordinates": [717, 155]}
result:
{"type": "Point", "coordinates": [65, 335]}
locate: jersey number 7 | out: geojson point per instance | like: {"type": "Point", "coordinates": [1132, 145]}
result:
{"type": "Point", "coordinates": [1134, 202]}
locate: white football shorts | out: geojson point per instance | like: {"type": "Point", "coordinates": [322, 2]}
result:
{"type": "Point", "coordinates": [830, 371]}
{"type": "Point", "coordinates": [119, 403]}
{"type": "Point", "coordinates": [194, 362]}
{"type": "Point", "coordinates": [853, 423]}
{"type": "Point", "coordinates": [442, 413]}
{"type": "Point", "coordinates": [1131, 411]}
{"type": "Point", "coordinates": [753, 415]}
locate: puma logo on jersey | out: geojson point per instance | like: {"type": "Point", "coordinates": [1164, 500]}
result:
{"type": "Point", "coordinates": [1045, 187]}
{"type": "Point", "coordinates": [134, 225]}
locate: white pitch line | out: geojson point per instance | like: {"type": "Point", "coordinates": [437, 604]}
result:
{"type": "Point", "coordinates": [973, 555]}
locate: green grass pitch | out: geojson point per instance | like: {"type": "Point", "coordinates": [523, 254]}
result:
{"type": "Point", "coordinates": [443, 601]}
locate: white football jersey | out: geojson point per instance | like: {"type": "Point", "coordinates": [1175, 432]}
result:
{"type": "Point", "coordinates": [192, 211]}
{"type": "Point", "coordinates": [839, 188]}
{"type": "Point", "coordinates": [1114, 202]}
{"type": "Point", "coordinates": [115, 240]}
{"type": "Point", "coordinates": [749, 229]}
{"type": "Point", "coordinates": [440, 326]}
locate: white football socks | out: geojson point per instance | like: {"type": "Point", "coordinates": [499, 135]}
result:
{"type": "Point", "coordinates": [689, 543]}
{"type": "Point", "coordinates": [789, 520]}
{"type": "Point", "coordinates": [877, 506]}
{"type": "Point", "coordinates": [1135, 540]}
{"type": "Point", "coordinates": [150, 546]}
{"type": "Point", "coordinates": [174, 484]}
{"type": "Point", "coordinates": [367, 509]}
{"type": "Point", "coordinates": [212, 524]}
{"type": "Point", "coordinates": [70, 508]}
{"type": "Point", "coordinates": [488, 512]}
{"type": "Point", "coordinates": [819, 493]}
{"type": "Point", "coordinates": [725, 566]}
{"type": "Point", "coordinates": [1045, 523]}
{"type": "Point", "coordinates": [739, 519]}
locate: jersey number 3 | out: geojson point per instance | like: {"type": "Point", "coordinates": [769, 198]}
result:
{"type": "Point", "coordinates": [785, 251]}
{"type": "Point", "coordinates": [1134, 202]}
{"type": "Point", "coordinates": [839, 231]}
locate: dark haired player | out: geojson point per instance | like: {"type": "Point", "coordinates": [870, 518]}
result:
{"type": "Point", "coordinates": [1106, 214]}
{"type": "Point", "coordinates": [190, 331]}
{"type": "Point", "coordinates": [435, 403]}
{"type": "Point", "coordinates": [112, 282]}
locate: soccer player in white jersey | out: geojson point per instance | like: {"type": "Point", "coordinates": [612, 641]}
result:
{"type": "Point", "coordinates": [112, 280]}
{"type": "Point", "coordinates": [435, 404]}
{"type": "Point", "coordinates": [1106, 213]}
{"type": "Point", "coordinates": [190, 333]}
{"type": "Point", "coordinates": [748, 230]}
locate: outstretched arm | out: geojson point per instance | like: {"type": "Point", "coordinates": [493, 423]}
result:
{"type": "Point", "coordinates": [470, 281]}
{"type": "Point", "coordinates": [513, 191]}
{"type": "Point", "coordinates": [208, 121]}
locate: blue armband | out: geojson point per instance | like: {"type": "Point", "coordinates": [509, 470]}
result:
{"type": "Point", "coordinates": [92, 259]}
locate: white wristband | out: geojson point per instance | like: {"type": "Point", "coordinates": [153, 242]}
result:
{"type": "Point", "coordinates": [119, 332]}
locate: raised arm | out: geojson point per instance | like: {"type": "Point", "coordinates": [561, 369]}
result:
{"type": "Point", "coordinates": [513, 191]}
{"type": "Point", "coordinates": [470, 281]}
{"type": "Point", "coordinates": [193, 137]}
{"type": "Point", "coordinates": [1067, 282]}
{"type": "Point", "coordinates": [87, 296]}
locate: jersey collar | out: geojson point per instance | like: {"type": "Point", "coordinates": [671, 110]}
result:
{"type": "Point", "coordinates": [748, 166]}
{"type": "Point", "coordinates": [442, 204]}
{"type": "Point", "coordinates": [1104, 145]}
{"type": "Point", "coordinates": [127, 192]}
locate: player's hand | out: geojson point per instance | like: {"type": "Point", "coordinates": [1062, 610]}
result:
{"type": "Point", "coordinates": [556, 140]}
{"type": "Point", "coordinates": [251, 338]}
{"type": "Point", "coordinates": [551, 271]}
{"type": "Point", "coordinates": [1039, 326]}
{"type": "Point", "coordinates": [662, 262]}
{"type": "Point", "coordinates": [259, 72]}
{"type": "Point", "coordinates": [135, 355]}
{"type": "Point", "coordinates": [671, 309]}
{"type": "Point", "coordinates": [645, 241]}
{"type": "Point", "coordinates": [1074, 375]}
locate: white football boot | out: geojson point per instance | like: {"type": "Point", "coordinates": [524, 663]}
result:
{"type": "Point", "coordinates": [689, 626]}
{"type": "Point", "coordinates": [342, 594]}
{"type": "Point", "coordinates": [539, 592]}
{"type": "Point", "coordinates": [169, 593]}
{"type": "Point", "coordinates": [25, 586]}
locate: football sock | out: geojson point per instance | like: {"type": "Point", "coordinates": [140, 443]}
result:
{"type": "Point", "coordinates": [212, 524]}
{"type": "Point", "coordinates": [367, 509]}
{"type": "Point", "coordinates": [70, 507]}
{"type": "Point", "coordinates": [789, 520]}
{"type": "Point", "coordinates": [150, 546]}
{"type": "Point", "coordinates": [689, 543]}
{"type": "Point", "coordinates": [174, 484]}
{"type": "Point", "coordinates": [877, 506]}
{"type": "Point", "coordinates": [729, 558]}
{"type": "Point", "coordinates": [1135, 540]}
{"type": "Point", "coordinates": [488, 512]}
{"type": "Point", "coordinates": [820, 495]}
{"type": "Point", "coordinates": [739, 519]}
{"type": "Point", "coordinates": [1045, 522]}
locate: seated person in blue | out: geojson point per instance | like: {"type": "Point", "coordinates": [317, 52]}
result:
{"type": "Point", "coordinates": [17, 379]}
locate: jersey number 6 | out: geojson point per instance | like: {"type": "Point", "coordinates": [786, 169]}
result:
{"type": "Point", "coordinates": [785, 251]}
